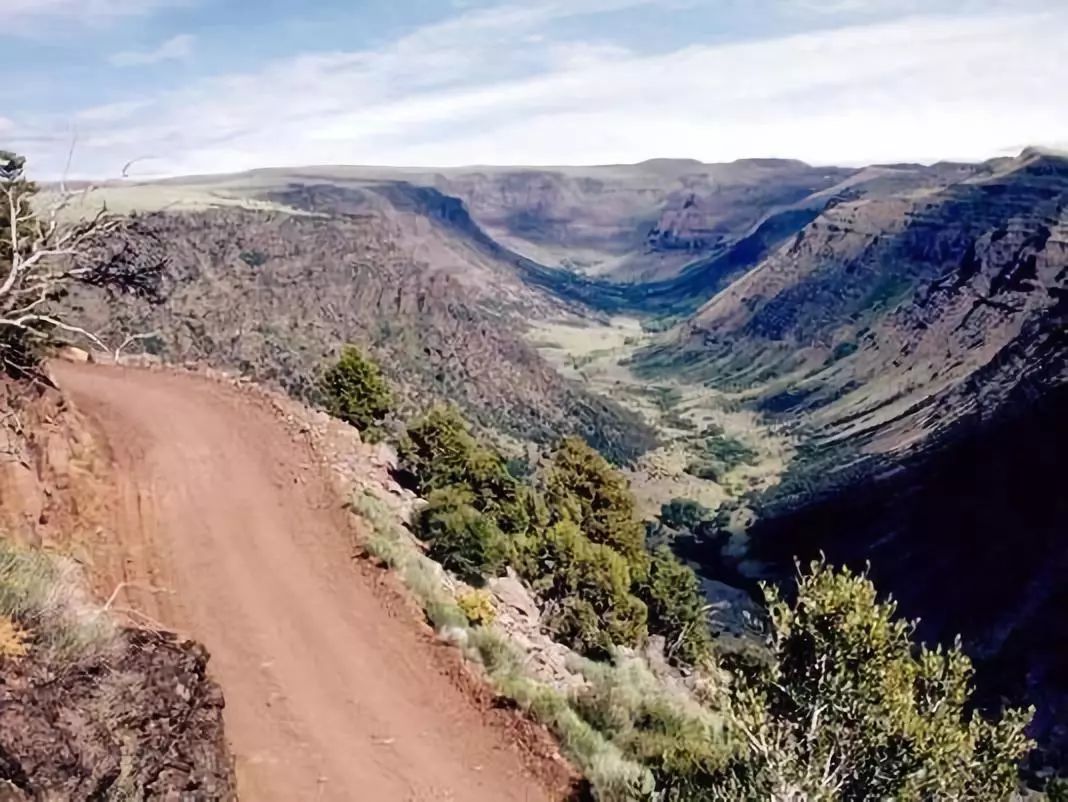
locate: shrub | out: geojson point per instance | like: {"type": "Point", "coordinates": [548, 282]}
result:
{"type": "Point", "coordinates": [684, 513]}
{"type": "Point", "coordinates": [717, 453]}
{"type": "Point", "coordinates": [851, 709]}
{"type": "Point", "coordinates": [391, 543]}
{"type": "Point", "coordinates": [685, 745]}
{"type": "Point", "coordinates": [354, 391]}
{"type": "Point", "coordinates": [614, 777]}
{"type": "Point", "coordinates": [581, 486]}
{"type": "Point", "coordinates": [440, 451]}
{"type": "Point", "coordinates": [586, 587]}
{"type": "Point", "coordinates": [702, 469]}
{"type": "Point", "coordinates": [477, 606]}
{"type": "Point", "coordinates": [437, 448]}
{"type": "Point", "coordinates": [677, 609]}
{"type": "Point", "coordinates": [254, 258]}
{"type": "Point", "coordinates": [47, 609]}
{"type": "Point", "coordinates": [462, 539]}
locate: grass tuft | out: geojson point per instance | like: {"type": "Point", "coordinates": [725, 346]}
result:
{"type": "Point", "coordinates": [44, 596]}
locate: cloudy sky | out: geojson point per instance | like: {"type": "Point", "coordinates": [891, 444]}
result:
{"type": "Point", "coordinates": [193, 86]}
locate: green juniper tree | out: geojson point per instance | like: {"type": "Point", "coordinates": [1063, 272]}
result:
{"type": "Point", "coordinates": [849, 708]}
{"type": "Point", "coordinates": [354, 390]}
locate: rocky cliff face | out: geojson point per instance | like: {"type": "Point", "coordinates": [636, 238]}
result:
{"type": "Point", "coordinates": [884, 303]}
{"type": "Point", "coordinates": [145, 723]}
{"type": "Point", "coordinates": [918, 343]}
{"type": "Point", "coordinates": [632, 222]}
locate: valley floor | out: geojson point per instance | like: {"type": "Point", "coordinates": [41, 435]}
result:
{"type": "Point", "coordinates": [232, 532]}
{"type": "Point", "coordinates": [597, 354]}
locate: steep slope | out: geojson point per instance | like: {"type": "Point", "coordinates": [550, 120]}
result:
{"type": "Point", "coordinates": [630, 223]}
{"type": "Point", "coordinates": [332, 691]}
{"type": "Point", "coordinates": [917, 344]}
{"type": "Point", "coordinates": [144, 722]}
{"type": "Point", "coordinates": [882, 303]}
{"type": "Point", "coordinates": [275, 294]}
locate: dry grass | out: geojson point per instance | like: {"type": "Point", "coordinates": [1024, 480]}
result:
{"type": "Point", "coordinates": [428, 582]}
{"type": "Point", "coordinates": [44, 599]}
{"type": "Point", "coordinates": [131, 198]}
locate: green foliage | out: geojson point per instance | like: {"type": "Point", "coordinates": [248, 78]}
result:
{"type": "Point", "coordinates": [717, 453]}
{"type": "Point", "coordinates": [685, 745]}
{"type": "Point", "coordinates": [841, 351]}
{"type": "Point", "coordinates": [727, 450]}
{"type": "Point", "coordinates": [391, 544]}
{"type": "Point", "coordinates": [851, 709]}
{"type": "Point", "coordinates": [437, 448]}
{"type": "Point", "coordinates": [354, 390]}
{"type": "Point", "coordinates": [581, 486]}
{"type": "Point", "coordinates": [710, 471]}
{"type": "Point", "coordinates": [440, 451]}
{"type": "Point", "coordinates": [676, 608]}
{"type": "Point", "coordinates": [684, 513]}
{"type": "Point", "coordinates": [1057, 790]}
{"type": "Point", "coordinates": [461, 538]}
{"type": "Point", "coordinates": [586, 587]}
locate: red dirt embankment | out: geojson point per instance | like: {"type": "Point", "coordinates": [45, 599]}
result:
{"type": "Point", "coordinates": [333, 691]}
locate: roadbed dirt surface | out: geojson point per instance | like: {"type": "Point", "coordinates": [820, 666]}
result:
{"type": "Point", "coordinates": [333, 690]}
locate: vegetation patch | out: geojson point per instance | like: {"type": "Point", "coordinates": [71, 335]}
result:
{"type": "Point", "coordinates": [718, 453]}
{"type": "Point", "coordinates": [839, 704]}
{"type": "Point", "coordinates": [44, 608]}
{"type": "Point", "coordinates": [353, 390]}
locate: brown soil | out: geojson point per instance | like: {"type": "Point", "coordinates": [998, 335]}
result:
{"type": "Point", "coordinates": [233, 535]}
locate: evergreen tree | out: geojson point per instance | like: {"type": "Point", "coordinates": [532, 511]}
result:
{"type": "Point", "coordinates": [850, 709]}
{"type": "Point", "coordinates": [354, 390]}
{"type": "Point", "coordinates": [581, 486]}
{"type": "Point", "coordinates": [677, 609]}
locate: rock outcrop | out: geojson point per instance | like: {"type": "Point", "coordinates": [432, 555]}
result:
{"type": "Point", "coordinates": [146, 723]}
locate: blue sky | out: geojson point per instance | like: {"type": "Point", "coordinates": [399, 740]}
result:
{"type": "Point", "coordinates": [191, 86]}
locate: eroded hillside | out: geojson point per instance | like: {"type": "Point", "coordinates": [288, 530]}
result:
{"type": "Point", "coordinates": [274, 294]}
{"type": "Point", "coordinates": [917, 343]}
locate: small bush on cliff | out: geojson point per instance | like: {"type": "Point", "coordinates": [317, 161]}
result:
{"type": "Point", "coordinates": [47, 608]}
{"type": "Point", "coordinates": [850, 709]}
{"type": "Point", "coordinates": [684, 513]}
{"type": "Point", "coordinates": [676, 608]}
{"type": "Point", "coordinates": [354, 390]}
{"type": "Point", "coordinates": [684, 744]}
{"type": "Point", "coordinates": [462, 539]}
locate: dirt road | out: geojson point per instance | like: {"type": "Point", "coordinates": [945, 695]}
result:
{"type": "Point", "coordinates": [332, 693]}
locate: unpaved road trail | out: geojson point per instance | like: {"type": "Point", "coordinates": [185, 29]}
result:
{"type": "Point", "coordinates": [330, 694]}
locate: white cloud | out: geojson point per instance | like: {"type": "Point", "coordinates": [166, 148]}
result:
{"type": "Point", "coordinates": [110, 112]}
{"type": "Point", "coordinates": [474, 90]}
{"type": "Point", "coordinates": [177, 48]}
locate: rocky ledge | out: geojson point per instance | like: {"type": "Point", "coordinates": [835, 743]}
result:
{"type": "Point", "coordinates": [142, 723]}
